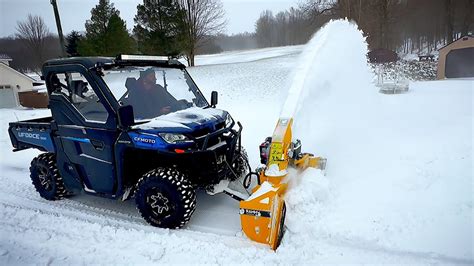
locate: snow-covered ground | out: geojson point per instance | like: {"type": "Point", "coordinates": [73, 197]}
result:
{"type": "Point", "coordinates": [398, 187]}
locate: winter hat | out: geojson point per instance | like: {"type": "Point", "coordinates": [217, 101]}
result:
{"type": "Point", "coordinates": [144, 73]}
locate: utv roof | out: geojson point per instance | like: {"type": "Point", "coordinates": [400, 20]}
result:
{"type": "Point", "coordinates": [121, 60]}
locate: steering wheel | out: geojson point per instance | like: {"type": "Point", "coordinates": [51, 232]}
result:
{"type": "Point", "coordinates": [92, 98]}
{"type": "Point", "coordinates": [182, 104]}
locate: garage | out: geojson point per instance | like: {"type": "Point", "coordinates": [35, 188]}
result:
{"type": "Point", "coordinates": [460, 63]}
{"type": "Point", "coordinates": [17, 89]}
{"type": "Point", "coordinates": [456, 60]}
{"type": "Point", "coordinates": [7, 97]}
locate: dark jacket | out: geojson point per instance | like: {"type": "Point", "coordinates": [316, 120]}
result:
{"type": "Point", "coordinates": [147, 103]}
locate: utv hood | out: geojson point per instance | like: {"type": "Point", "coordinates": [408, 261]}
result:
{"type": "Point", "coordinates": [184, 121]}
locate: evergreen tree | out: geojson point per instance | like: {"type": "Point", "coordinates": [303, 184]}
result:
{"type": "Point", "coordinates": [159, 27]}
{"type": "Point", "coordinates": [72, 40]}
{"type": "Point", "coordinates": [106, 32]}
{"type": "Point", "coordinates": [117, 38]}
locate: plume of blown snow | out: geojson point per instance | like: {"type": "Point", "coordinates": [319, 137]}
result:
{"type": "Point", "coordinates": [331, 73]}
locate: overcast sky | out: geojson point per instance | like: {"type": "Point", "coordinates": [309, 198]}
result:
{"type": "Point", "coordinates": [241, 15]}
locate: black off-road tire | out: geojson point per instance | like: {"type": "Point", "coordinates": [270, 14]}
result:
{"type": "Point", "coordinates": [46, 178]}
{"type": "Point", "coordinates": [165, 198]}
{"type": "Point", "coordinates": [240, 166]}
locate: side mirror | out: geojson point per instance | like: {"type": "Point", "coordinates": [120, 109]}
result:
{"type": "Point", "coordinates": [214, 98]}
{"type": "Point", "coordinates": [125, 116]}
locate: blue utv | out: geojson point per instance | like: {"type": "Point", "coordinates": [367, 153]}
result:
{"type": "Point", "coordinates": [131, 127]}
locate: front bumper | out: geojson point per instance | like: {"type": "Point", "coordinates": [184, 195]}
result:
{"type": "Point", "coordinates": [211, 159]}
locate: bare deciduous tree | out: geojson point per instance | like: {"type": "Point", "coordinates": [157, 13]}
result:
{"type": "Point", "coordinates": [317, 7]}
{"type": "Point", "coordinates": [34, 32]}
{"type": "Point", "coordinates": [203, 19]}
{"type": "Point", "coordinates": [290, 27]}
{"type": "Point", "coordinates": [266, 30]}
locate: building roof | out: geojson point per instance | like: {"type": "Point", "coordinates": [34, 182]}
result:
{"type": "Point", "coordinates": [17, 72]}
{"type": "Point", "coordinates": [462, 38]}
{"type": "Point", "coordinates": [5, 57]}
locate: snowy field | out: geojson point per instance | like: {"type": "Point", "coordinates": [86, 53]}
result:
{"type": "Point", "coordinates": [398, 187]}
{"type": "Point", "coordinates": [248, 55]}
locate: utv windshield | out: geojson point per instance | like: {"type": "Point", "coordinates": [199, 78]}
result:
{"type": "Point", "coordinates": [153, 91]}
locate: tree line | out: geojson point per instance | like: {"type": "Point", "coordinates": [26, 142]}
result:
{"type": "Point", "coordinates": [161, 27]}
{"type": "Point", "coordinates": [164, 27]}
{"type": "Point", "coordinates": [31, 46]}
{"type": "Point", "coordinates": [402, 25]}
{"type": "Point", "coordinates": [190, 27]}
{"type": "Point", "coordinates": [290, 27]}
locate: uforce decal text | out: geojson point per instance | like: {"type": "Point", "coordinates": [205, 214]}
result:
{"type": "Point", "coordinates": [30, 135]}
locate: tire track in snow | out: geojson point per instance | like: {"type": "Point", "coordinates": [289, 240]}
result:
{"type": "Point", "coordinates": [122, 214]}
{"type": "Point", "coordinates": [47, 226]}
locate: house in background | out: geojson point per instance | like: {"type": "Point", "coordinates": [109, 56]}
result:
{"type": "Point", "coordinates": [17, 89]}
{"type": "Point", "coordinates": [456, 60]}
{"type": "Point", "coordinates": [5, 59]}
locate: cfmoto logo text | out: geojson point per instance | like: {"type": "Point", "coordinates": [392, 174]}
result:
{"type": "Point", "coordinates": [150, 141]}
{"type": "Point", "coordinates": [28, 135]}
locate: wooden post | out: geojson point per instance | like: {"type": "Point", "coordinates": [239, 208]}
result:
{"type": "Point", "coordinates": [58, 25]}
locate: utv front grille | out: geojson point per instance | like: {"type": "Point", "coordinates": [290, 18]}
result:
{"type": "Point", "coordinates": [204, 141]}
{"type": "Point", "coordinates": [220, 126]}
{"type": "Point", "coordinates": [201, 132]}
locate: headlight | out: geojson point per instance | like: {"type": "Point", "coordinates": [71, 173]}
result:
{"type": "Point", "coordinates": [228, 121]}
{"type": "Point", "coordinates": [174, 138]}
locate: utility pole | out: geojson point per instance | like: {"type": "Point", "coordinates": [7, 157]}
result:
{"type": "Point", "coordinates": [58, 25]}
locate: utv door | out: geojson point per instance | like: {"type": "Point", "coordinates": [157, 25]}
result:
{"type": "Point", "coordinates": [86, 129]}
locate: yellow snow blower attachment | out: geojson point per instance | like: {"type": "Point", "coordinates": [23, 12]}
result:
{"type": "Point", "coordinates": [263, 213]}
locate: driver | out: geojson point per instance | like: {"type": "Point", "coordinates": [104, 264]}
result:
{"type": "Point", "coordinates": [148, 98]}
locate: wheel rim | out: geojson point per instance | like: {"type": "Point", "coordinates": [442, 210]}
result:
{"type": "Point", "coordinates": [45, 178]}
{"type": "Point", "coordinates": [160, 204]}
